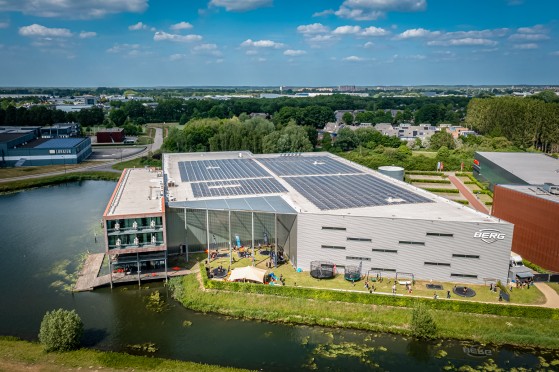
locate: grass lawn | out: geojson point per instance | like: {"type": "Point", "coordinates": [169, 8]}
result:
{"type": "Point", "coordinates": [479, 327]}
{"type": "Point", "coordinates": [473, 187]}
{"type": "Point", "coordinates": [429, 154]}
{"type": "Point", "coordinates": [144, 140]}
{"type": "Point", "coordinates": [434, 185]}
{"type": "Point", "coordinates": [304, 279]}
{"type": "Point", "coordinates": [137, 163]}
{"type": "Point", "coordinates": [17, 355]}
{"type": "Point", "coordinates": [28, 171]}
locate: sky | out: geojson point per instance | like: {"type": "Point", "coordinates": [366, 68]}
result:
{"type": "Point", "coordinates": [145, 43]}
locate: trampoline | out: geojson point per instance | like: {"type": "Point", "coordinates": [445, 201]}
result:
{"type": "Point", "coordinates": [219, 272]}
{"type": "Point", "coordinates": [437, 287]}
{"type": "Point", "coordinates": [464, 291]}
{"type": "Point", "coordinates": [265, 253]}
{"type": "Point", "coordinates": [352, 273]}
{"type": "Point", "coordinates": [322, 269]}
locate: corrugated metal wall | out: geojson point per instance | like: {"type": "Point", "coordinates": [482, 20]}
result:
{"type": "Point", "coordinates": [536, 225]}
{"type": "Point", "coordinates": [386, 249]}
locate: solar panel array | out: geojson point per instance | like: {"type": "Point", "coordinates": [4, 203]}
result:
{"type": "Point", "coordinates": [306, 165]}
{"type": "Point", "coordinates": [60, 143]}
{"type": "Point", "coordinates": [352, 191]}
{"type": "Point", "coordinates": [239, 187]}
{"type": "Point", "coordinates": [226, 169]}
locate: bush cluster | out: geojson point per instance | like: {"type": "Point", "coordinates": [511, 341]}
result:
{"type": "Point", "coordinates": [61, 330]}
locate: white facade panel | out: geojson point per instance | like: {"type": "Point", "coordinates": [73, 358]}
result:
{"type": "Point", "coordinates": [452, 252]}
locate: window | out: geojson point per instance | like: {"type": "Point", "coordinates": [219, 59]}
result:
{"type": "Point", "coordinates": [465, 255]}
{"type": "Point", "coordinates": [382, 269]}
{"type": "Point", "coordinates": [411, 243]}
{"type": "Point", "coordinates": [360, 239]}
{"type": "Point", "coordinates": [440, 234]}
{"type": "Point", "coordinates": [332, 247]}
{"type": "Point", "coordinates": [464, 275]}
{"type": "Point", "coordinates": [358, 258]}
{"type": "Point", "coordinates": [333, 228]}
{"type": "Point", "coordinates": [385, 250]}
{"type": "Point", "coordinates": [436, 263]}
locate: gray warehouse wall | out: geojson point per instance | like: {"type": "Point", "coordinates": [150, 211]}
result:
{"type": "Point", "coordinates": [400, 245]}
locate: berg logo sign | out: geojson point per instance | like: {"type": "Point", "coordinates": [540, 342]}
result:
{"type": "Point", "coordinates": [489, 235]}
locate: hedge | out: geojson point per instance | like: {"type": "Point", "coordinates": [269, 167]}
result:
{"type": "Point", "coordinates": [465, 202]}
{"type": "Point", "coordinates": [383, 300]}
{"type": "Point", "coordinates": [429, 181]}
{"type": "Point", "coordinates": [58, 179]}
{"type": "Point", "coordinates": [450, 191]}
{"type": "Point", "coordinates": [425, 173]}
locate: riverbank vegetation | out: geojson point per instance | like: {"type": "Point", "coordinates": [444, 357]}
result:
{"type": "Point", "coordinates": [18, 355]}
{"type": "Point", "coordinates": [13, 186]}
{"type": "Point", "coordinates": [518, 325]}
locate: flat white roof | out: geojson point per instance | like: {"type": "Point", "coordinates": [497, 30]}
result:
{"type": "Point", "coordinates": [139, 191]}
{"type": "Point", "coordinates": [430, 206]}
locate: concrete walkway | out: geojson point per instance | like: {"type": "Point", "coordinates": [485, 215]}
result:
{"type": "Point", "coordinates": [552, 298]}
{"type": "Point", "coordinates": [468, 194]}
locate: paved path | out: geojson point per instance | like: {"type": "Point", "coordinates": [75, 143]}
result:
{"type": "Point", "coordinates": [467, 193]}
{"type": "Point", "coordinates": [552, 298]}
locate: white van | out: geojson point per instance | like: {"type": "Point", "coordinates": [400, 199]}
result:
{"type": "Point", "coordinates": [515, 260]}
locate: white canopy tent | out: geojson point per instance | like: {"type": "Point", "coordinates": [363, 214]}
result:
{"type": "Point", "coordinates": [248, 273]}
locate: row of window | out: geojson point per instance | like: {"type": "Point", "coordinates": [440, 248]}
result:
{"type": "Point", "coordinates": [447, 235]}
{"type": "Point", "coordinates": [381, 250]}
{"type": "Point", "coordinates": [357, 258]}
{"type": "Point", "coordinates": [383, 269]}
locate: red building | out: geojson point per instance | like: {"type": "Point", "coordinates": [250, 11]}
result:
{"type": "Point", "coordinates": [110, 135]}
{"type": "Point", "coordinates": [534, 211]}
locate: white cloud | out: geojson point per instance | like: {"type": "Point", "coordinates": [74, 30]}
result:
{"type": "Point", "coordinates": [556, 53]}
{"type": "Point", "coordinates": [294, 52]}
{"type": "Point", "coordinates": [181, 26]}
{"type": "Point", "coordinates": [526, 46]}
{"type": "Point", "coordinates": [353, 59]}
{"type": "Point", "coordinates": [87, 34]}
{"type": "Point", "coordinates": [4, 24]}
{"type": "Point", "coordinates": [417, 33]}
{"type": "Point", "coordinates": [261, 59]}
{"type": "Point", "coordinates": [262, 44]}
{"type": "Point", "coordinates": [130, 49]}
{"type": "Point", "coordinates": [164, 36]}
{"type": "Point", "coordinates": [537, 29]}
{"type": "Point", "coordinates": [240, 5]}
{"type": "Point", "coordinates": [315, 28]}
{"type": "Point", "coordinates": [368, 44]}
{"type": "Point", "coordinates": [528, 37]}
{"type": "Point", "coordinates": [138, 26]}
{"type": "Point", "coordinates": [346, 30]}
{"type": "Point", "coordinates": [207, 49]}
{"type": "Point", "coordinates": [374, 31]}
{"type": "Point", "coordinates": [366, 10]}
{"type": "Point", "coordinates": [74, 9]}
{"type": "Point", "coordinates": [463, 42]}
{"type": "Point", "coordinates": [36, 30]}
{"type": "Point", "coordinates": [176, 57]}
{"type": "Point", "coordinates": [251, 52]}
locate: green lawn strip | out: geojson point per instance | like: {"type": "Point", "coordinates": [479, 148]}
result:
{"type": "Point", "coordinates": [29, 355]}
{"type": "Point", "coordinates": [303, 279]}
{"type": "Point", "coordinates": [138, 163]}
{"type": "Point", "coordinates": [54, 180]}
{"type": "Point", "coordinates": [427, 180]}
{"type": "Point", "coordinates": [329, 311]}
{"type": "Point", "coordinates": [554, 286]}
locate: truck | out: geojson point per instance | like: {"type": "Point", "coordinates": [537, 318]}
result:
{"type": "Point", "coordinates": [515, 260]}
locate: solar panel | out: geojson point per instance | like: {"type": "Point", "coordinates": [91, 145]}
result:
{"type": "Point", "coordinates": [352, 191]}
{"type": "Point", "coordinates": [226, 169]}
{"type": "Point", "coordinates": [237, 187]}
{"type": "Point", "coordinates": [307, 165]}
{"type": "Point", "coordinates": [60, 143]}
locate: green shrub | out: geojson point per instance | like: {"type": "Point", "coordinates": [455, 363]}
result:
{"type": "Point", "coordinates": [430, 181]}
{"type": "Point", "coordinates": [425, 173]}
{"type": "Point", "coordinates": [61, 330]}
{"type": "Point", "coordinates": [465, 202]}
{"type": "Point", "coordinates": [449, 191]}
{"type": "Point", "coordinates": [535, 267]}
{"type": "Point", "coordinates": [488, 203]}
{"type": "Point", "coordinates": [422, 323]}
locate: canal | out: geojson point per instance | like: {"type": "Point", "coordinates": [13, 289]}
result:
{"type": "Point", "coordinates": [47, 231]}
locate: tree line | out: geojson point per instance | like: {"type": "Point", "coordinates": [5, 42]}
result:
{"type": "Point", "coordinates": [526, 122]}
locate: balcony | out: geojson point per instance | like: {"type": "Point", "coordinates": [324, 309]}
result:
{"type": "Point", "coordinates": [131, 230]}
{"type": "Point", "coordinates": [139, 245]}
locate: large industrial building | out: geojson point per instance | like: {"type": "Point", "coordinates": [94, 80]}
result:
{"type": "Point", "coordinates": [24, 146]}
{"type": "Point", "coordinates": [526, 193]}
{"type": "Point", "coordinates": [311, 206]}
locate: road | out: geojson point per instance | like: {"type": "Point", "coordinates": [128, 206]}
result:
{"type": "Point", "coordinates": [105, 166]}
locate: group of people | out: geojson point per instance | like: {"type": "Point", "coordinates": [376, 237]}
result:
{"type": "Point", "coordinates": [371, 288]}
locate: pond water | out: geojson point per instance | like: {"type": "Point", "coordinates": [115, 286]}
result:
{"type": "Point", "coordinates": [47, 231]}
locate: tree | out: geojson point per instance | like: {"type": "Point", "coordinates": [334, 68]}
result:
{"type": "Point", "coordinates": [442, 138]}
{"type": "Point", "coordinates": [61, 330]}
{"type": "Point", "coordinates": [326, 141]}
{"type": "Point", "coordinates": [347, 118]}
{"type": "Point", "coordinates": [183, 119]}
{"type": "Point", "coordinates": [422, 323]}
{"type": "Point", "coordinates": [118, 116]}
{"type": "Point", "coordinates": [346, 139]}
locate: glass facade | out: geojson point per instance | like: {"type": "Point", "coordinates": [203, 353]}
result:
{"type": "Point", "coordinates": [135, 232]}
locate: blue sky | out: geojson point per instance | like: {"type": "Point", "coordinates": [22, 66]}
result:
{"type": "Point", "coordinates": [278, 42]}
